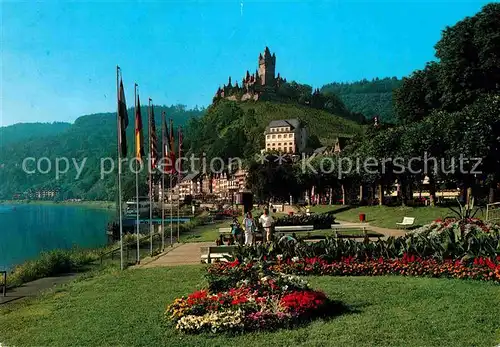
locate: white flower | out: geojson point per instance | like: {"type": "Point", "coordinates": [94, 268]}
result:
{"type": "Point", "coordinates": [279, 257]}
{"type": "Point", "coordinates": [295, 259]}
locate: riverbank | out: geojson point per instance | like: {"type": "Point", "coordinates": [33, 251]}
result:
{"type": "Point", "coordinates": [108, 205]}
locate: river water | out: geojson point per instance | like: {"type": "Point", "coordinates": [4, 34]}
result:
{"type": "Point", "coordinates": [27, 230]}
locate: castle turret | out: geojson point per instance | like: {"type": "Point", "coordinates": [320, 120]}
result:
{"type": "Point", "coordinates": [267, 68]}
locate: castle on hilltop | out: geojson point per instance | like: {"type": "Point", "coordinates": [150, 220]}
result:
{"type": "Point", "coordinates": [253, 87]}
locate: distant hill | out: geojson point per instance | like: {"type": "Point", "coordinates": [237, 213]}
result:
{"type": "Point", "coordinates": [226, 129]}
{"type": "Point", "coordinates": [371, 98]}
{"type": "Point", "coordinates": [25, 131]}
{"type": "Point", "coordinates": [92, 137]}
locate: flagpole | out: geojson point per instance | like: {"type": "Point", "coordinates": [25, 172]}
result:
{"type": "Point", "coordinates": [163, 182]}
{"type": "Point", "coordinates": [171, 216]}
{"type": "Point", "coordinates": [137, 181]}
{"type": "Point", "coordinates": [150, 183]}
{"type": "Point", "coordinates": [172, 171]}
{"type": "Point", "coordinates": [119, 165]}
{"type": "Point", "coordinates": [179, 139]}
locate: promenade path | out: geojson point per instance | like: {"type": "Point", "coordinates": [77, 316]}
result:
{"type": "Point", "coordinates": [179, 254]}
{"type": "Point", "coordinates": [189, 253]}
{"type": "Point", "coordinates": [33, 288]}
{"type": "Point", "coordinates": [384, 231]}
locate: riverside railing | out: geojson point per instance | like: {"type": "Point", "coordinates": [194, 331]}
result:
{"type": "Point", "coordinates": [4, 282]}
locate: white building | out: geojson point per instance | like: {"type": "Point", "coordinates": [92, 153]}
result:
{"type": "Point", "coordinates": [286, 136]}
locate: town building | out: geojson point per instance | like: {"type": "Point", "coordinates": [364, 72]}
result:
{"type": "Point", "coordinates": [286, 136]}
{"type": "Point", "coordinates": [222, 186]}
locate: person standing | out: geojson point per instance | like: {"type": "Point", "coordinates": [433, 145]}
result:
{"type": "Point", "coordinates": [249, 224]}
{"type": "Point", "coordinates": [267, 221]}
{"type": "Point", "coordinates": [235, 230]}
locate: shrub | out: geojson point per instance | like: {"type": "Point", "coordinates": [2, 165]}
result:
{"type": "Point", "coordinates": [51, 263]}
{"type": "Point", "coordinates": [319, 221]}
{"type": "Point", "coordinates": [451, 240]}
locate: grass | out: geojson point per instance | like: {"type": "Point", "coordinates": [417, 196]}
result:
{"type": "Point", "coordinates": [387, 217]}
{"type": "Point", "coordinates": [204, 233]}
{"type": "Point", "coordinates": [116, 308]}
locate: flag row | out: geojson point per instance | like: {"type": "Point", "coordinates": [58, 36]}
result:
{"type": "Point", "coordinates": [167, 133]}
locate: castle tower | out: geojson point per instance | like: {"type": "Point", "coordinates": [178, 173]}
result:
{"type": "Point", "coordinates": [267, 68]}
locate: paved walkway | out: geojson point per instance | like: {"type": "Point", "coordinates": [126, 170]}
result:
{"type": "Point", "coordinates": [181, 254]}
{"type": "Point", "coordinates": [34, 288]}
{"type": "Point", "coordinates": [386, 232]}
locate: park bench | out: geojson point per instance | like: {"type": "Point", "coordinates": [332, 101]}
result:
{"type": "Point", "coordinates": [407, 222]}
{"type": "Point", "coordinates": [215, 252]}
{"type": "Point", "coordinates": [284, 230]}
{"type": "Point", "coordinates": [3, 285]}
{"type": "Point", "coordinates": [349, 226]}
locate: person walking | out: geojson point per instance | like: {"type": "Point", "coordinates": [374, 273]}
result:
{"type": "Point", "coordinates": [267, 221]}
{"type": "Point", "coordinates": [249, 225]}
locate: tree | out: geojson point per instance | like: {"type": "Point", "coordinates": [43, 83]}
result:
{"type": "Point", "coordinates": [418, 94]}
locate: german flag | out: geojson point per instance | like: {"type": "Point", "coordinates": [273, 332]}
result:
{"type": "Point", "coordinates": [153, 151]}
{"type": "Point", "coordinates": [139, 149]}
{"type": "Point", "coordinates": [122, 121]}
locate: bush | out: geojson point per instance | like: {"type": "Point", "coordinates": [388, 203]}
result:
{"type": "Point", "coordinates": [452, 240]}
{"type": "Point", "coordinates": [319, 221]}
{"type": "Point", "coordinates": [51, 263]}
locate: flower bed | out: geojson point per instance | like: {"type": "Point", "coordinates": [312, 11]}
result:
{"type": "Point", "coordinates": [483, 269]}
{"type": "Point", "coordinates": [442, 240]}
{"type": "Point", "coordinates": [461, 228]}
{"type": "Point", "coordinates": [265, 300]}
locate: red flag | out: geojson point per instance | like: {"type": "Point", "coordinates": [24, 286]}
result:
{"type": "Point", "coordinates": [153, 151]}
{"type": "Point", "coordinates": [172, 146]}
{"type": "Point", "coordinates": [180, 150]}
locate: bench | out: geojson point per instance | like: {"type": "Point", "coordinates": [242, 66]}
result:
{"type": "Point", "coordinates": [215, 252]}
{"type": "Point", "coordinates": [358, 226]}
{"type": "Point", "coordinates": [407, 221]}
{"type": "Point", "coordinates": [4, 283]}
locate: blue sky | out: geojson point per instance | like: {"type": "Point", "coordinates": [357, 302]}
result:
{"type": "Point", "coordinates": [59, 58]}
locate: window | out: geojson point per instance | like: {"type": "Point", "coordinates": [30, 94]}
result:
{"type": "Point", "coordinates": [274, 136]}
{"type": "Point", "coordinates": [290, 143]}
{"type": "Point", "coordinates": [279, 144]}
{"type": "Point", "coordinates": [268, 137]}
{"type": "Point", "coordinates": [290, 135]}
{"type": "Point", "coordinates": [291, 150]}
{"type": "Point", "coordinates": [279, 149]}
{"type": "Point", "coordinates": [279, 136]}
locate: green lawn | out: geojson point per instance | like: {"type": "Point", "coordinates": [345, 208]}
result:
{"type": "Point", "coordinates": [387, 217]}
{"type": "Point", "coordinates": [205, 233]}
{"type": "Point", "coordinates": [125, 309]}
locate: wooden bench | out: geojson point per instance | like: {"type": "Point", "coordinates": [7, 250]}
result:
{"type": "Point", "coordinates": [4, 283]}
{"type": "Point", "coordinates": [349, 226]}
{"type": "Point", "coordinates": [407, 222]}
{"type": "Point", "coordinates": [215, 252]}
{"type": "Point", "coordinates": [224, 230]}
